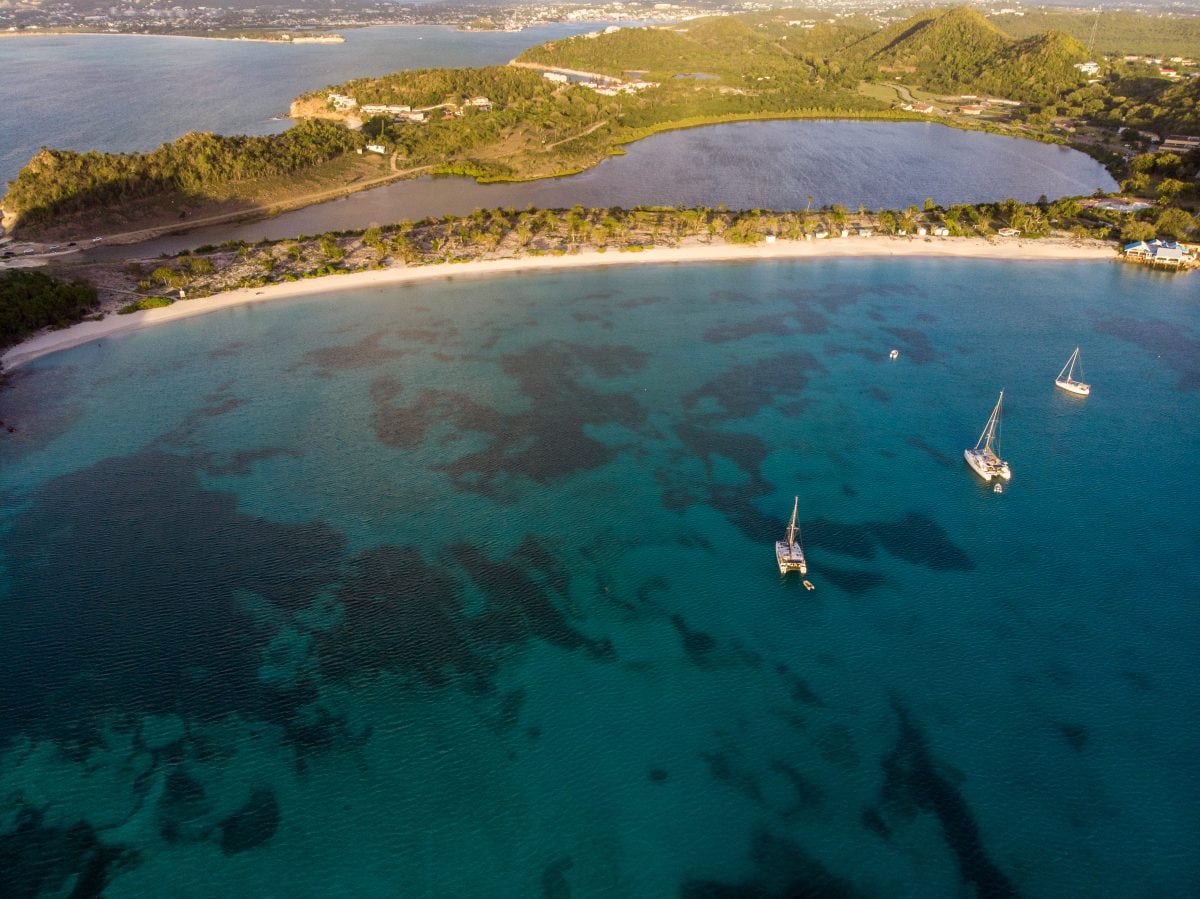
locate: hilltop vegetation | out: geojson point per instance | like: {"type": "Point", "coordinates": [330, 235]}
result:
{"type": "Point", "coordinates": [944, 50]}
{"type": "Point", "coordinates": [1151, 103]}
{"type": "Point", "coordinates": [1111, 32]}
{"type": "Point", "coordinates": [56, 182]}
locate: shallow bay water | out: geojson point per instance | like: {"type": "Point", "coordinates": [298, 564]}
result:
{"type": "Point", "coordinates": [467, 588]}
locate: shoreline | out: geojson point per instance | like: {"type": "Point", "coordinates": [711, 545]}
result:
{"type": "Point", "coordinates": [1012, 249]}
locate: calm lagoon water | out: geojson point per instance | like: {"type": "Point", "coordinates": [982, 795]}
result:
{"type": "Point", "coordinates": [744, 165]}
{"type": "Point", "coordinates": [468, 589]}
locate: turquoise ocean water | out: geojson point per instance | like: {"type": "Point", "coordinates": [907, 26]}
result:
{"type": "Point", "coordinates": [468, 589]}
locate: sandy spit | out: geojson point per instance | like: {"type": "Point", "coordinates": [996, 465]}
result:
{"type": "Point", "coordinates": [853, 247]}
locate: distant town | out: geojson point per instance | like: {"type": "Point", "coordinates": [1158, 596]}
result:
{"type": "Point", "coordinates": [283, 22]}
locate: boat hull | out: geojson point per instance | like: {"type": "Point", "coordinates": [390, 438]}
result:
{"type": "Point", "coordinates": [987, 466]}
{"type": "Point", "coordinates": [790, 557]}
{"type": "Point", "coordinates": [1076, 387]}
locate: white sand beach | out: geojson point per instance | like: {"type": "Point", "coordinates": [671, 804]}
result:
{"type": "Point", "coordinates": [690, 254]}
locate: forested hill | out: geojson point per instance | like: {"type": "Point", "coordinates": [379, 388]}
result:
{"type": "Point", "coordinates": [954, 49]}
{"type": "Point", "coordinates": [197, 165]}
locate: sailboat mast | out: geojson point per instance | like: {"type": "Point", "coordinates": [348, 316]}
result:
{"type": "Point", "coordinates": [989, 430]}
{"type": "Point", "coordinates": [1069, 368]}
{"type": "Point", "coordinates": [791, 533]}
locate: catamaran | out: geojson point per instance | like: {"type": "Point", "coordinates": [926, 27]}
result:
{"type": "Point", "coordinates": [1066, 377]}
{"type": "Point", "coordinates": [983, 458]}
{"type": "Point", "coordinates": [788, 553]}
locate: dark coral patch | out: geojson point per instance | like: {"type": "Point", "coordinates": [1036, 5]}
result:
{"type": "Point", "coordinates": [1178, 349]}
{"type": "Point", "coordinates": [767, 324]}
{"type": "Point", "coordinates": [658, 775]}
{"type": "Point", "coordinates": [798, 687]}
{"type": "Point", "coordinates": [253, 824]}
{"type": "Point", "coordinates": [1076, 735]}
{"type": "Point", "coordinates": [697, 644]}
{"type": "Point", "coordinates": [836, 745]}
{"type": "Point", "coordinates": [510, 709]}
{"type": "Point", "coordinates": [913, 780]}
{"type": "Point", "coordinates": [917, 346]}
{"type": "Point", "coordinates": [554, 879]}
{"type": "Point", "coordinates": [726, 766]}
{"type": "Point", "coordinates": [736, 502]}
{"type": "Point", "coordinates": [402, 613]}
{"type": "Point", "coordinates": [870, 353]}
{"type": "Point", "coordinates": [922, 541]}
{"type": "Point", "coordinates": [932, 452]}
{"type": "Point", "coordinates": [544, 442]}
{"type": "Point", "coordinates": [182, 808]}
{"type": "Point", "coordinates": [520, 608]}
{"type": "Point", "coordinates": [40, 860]}
{"type": "Point", "coordinates": [853, 540]}
{"type": "Point", "coordinates": [782, 870]}
{"type": "Point", "coordinates": [805, 793]}
{"type": "Point", "coordinates": [233, 348]}
{"type": "Point", "coordinates": [126, 595]}
{"type": "Point", "coordinates": [879, 395]}
{"type": "Point", "coordinates": [365, 353]}
{"type": "Point", "coordinates": [36, 406]}
{"type": "Point", "coordinates": [745, 389]}
{"type": "Point", "coordinates": [853, 580]}
{"type": "Point", "coordinates": [916, 538]}
{"type": "Point", "coordinates": [242, 461]}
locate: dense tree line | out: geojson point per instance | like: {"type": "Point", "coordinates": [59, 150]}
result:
{"type": "Point", "coordinates": [1111, 32]}
{"type": "Point", "coordinates": [503, 85]}
{"type": "Point", "coordinates": [511, 232]}
{"type": "Point", "coordinates": [31, 300]}
{"type": "Point", "coordinates": [197, 164]}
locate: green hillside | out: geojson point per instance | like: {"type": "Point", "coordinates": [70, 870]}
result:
{"type": "Point", "coordinates": [958, 50]}
{"type": "Point", "coordinates": [1114, 33]}
{"type": "Point", "coordinates": [947, 48]}
{"type": "Point", "coordinates": [1155, 104]}
{"type": "Point", "coordinates": [955, 50]}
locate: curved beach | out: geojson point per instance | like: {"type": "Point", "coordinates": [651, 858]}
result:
{"type": "Point", "coordinates": [688, 254]}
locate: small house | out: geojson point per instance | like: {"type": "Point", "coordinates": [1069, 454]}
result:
{"type": "Point", "coordinates": [377, 148]}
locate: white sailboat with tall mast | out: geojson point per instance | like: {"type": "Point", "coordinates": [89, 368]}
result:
{"type": "Point", "coordinates": [788, 553]}
{"type": "Point", "coordinates": [1066, 378]}
{"type": "Point", "coordinates": [984, 458]}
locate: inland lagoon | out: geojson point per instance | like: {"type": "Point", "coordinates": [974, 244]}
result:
{"type": "Point", "coordinates": [468, 588]}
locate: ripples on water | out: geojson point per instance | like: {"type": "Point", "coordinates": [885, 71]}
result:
{"type": "Point", "coordinates": [469, 587]}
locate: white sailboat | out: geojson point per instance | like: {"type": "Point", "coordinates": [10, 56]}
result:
{"type": "Point", "coordinates": [1066, 378]}
{"type": "Point", "coordinates": [984, 458]}
{"type": "Point", "coordinates": [788, 553]}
